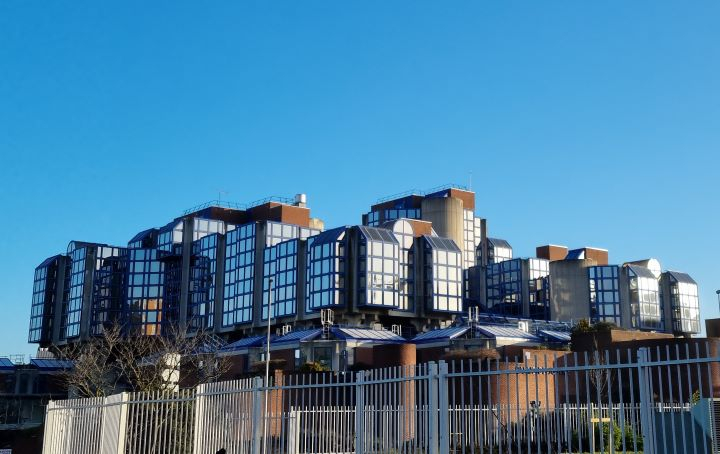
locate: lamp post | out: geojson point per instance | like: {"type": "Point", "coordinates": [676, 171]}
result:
{"type": "Point", "coordinates": [267, 366]}
{"type": "Point", "coordinates": [717, 292]}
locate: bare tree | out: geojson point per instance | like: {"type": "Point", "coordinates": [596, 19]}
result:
{"type": "Point", "coordinates": [600, 376]}
{"type": "Point", "coordinates": [116, 361]}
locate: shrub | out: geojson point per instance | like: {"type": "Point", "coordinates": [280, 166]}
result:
{"type": "Point", "coordinates": [313, 366]}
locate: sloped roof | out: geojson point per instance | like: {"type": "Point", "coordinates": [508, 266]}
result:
{"type": "Point", "coordinates": [51, 364]}
{"type": "Point", "coordinates": [247, 342]}
{"type": "Point", "coordinates": [682, 277]}
{"type": "Point", "coordinates": [557, 336]}
{"type": "Point", "coordinates": [366, 334]}
{"type": "Point", "coordinates": [505, 331]}
{"type": "Point", "coordinates": [297, 336]}
{"type": "Point", "coordinates": [441, 334]}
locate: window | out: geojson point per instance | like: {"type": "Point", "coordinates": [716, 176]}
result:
{"type": "Point", "coordinates": [645, 308]}
{"type": "Point", "coordinates": [280, 263]}
{"type": "Point", "coordinates": [239, 275]}
{"type": "Point", "coordinates": [604, 294]}
{"type": "Point", "coordinates": [504, 287]}
{"type": "Point", "coordinates": [201, 286]}
{"type": "Point", "coordinates": [684, 302]}
{"type": "Point", "coordinates": [443, 274]}
{"type": "Point", "coordinates": [326, 269]}
{"type": "Point", "coordinates": [43, 300]}
{"type": "Point", "coordinates": [146, 291]}
{"type": "Point", "coordinates": [378, 267]}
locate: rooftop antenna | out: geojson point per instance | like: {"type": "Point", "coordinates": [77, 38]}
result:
{"type": "Point", "coordinates": [470, 185]}
{"type": "Point", "coordinates": [221, 192]}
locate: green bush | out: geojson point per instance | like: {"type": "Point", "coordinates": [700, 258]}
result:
{"type": "Point", "coordinates": [313, 366]}
{"type": "Point", "coordinates": [632, 437]}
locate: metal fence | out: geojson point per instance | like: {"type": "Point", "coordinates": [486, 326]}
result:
{"type": "Point", "coordinates": [650, 400]}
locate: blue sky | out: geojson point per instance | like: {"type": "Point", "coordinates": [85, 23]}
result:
{"type": "Point", "coordinates": [581, 123]}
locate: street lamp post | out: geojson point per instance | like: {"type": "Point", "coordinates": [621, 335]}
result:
{"type": "Point", "coordinates": [718, 294]}
{"type": "Point", "coordinates": [267, 366]}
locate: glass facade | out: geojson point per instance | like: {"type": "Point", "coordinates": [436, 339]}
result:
{"type": "Point", "coordinates": [239, 275]}
{"type": "Point", "coordinates": [170, 235]}
{"type": "Point", "coordinates": [145, 291]}
{"type": "Point", "coordinates": [378, 267]}
{"type": "Point", "coordinates": [605, 294]}
{"type": "Point", "coordinates": [85, 259]}
{"type": "Point", "coordinates": [43, 300]}
{"type": "Point", "coordinates": [471, 232]}
{"type": "Point", "coordinates": [539, 289]}
{"type": "Point", "coordinates": [504, 287]}
{"type": "Point", "coordinates": [684, 302]}
{"type": "Point", "coordinates": [406, 287]}
{"type": "Point", "coordinates": [74, 291]}
{"type": "Point", "coordinates": [281, 263]}
{"type": "Point", "coordinates": [375, 218]}
{"type": "Point", "coordinates": [108, 287]}
{"type": "Point", "coordinates": [201, 291]}
{"type": "Point", "coordinates": [145, 239]}
{"type": "Point", "coordinates": [507, 287]}
{"type": "Point", "coordinates": [498, 251]}
{"type": "Point", "coordinates": [326, 269]}
{"type": "Point", "coordinates": [205, 227]}
{"type": "Point", "coordinates": [645, 310]}
{"type": "Point", "coordinates": [443, 274]}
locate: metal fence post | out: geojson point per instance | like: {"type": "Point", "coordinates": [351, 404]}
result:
{"type": "Point", "coordinates": [257, 415]}
{"type": "Point", "coordinates": [360, 412]}
{"type": "Point", "coordinates": [443, 409]}
{"type": "Point", "coordinates": [293, 432]}
{"type": "Point", "coordinates": [122, 422]}
{"type": "Point", "coordinates": [646, 402]}
{"type": "Point", "coordinates": [50, 429]}
{"type": "Point", "coordinates": [199, 431]}
{"type": "Point", "coordinates": [433, 406]}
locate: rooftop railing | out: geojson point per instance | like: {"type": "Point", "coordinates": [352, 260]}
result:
{"type": "Point", "coordinates": [239, 206]}
{"type": "Point", "coordinates": [422, 192]}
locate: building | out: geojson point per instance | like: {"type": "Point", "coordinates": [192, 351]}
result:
{"type": "Point", "coordinates": [220, 268]}
{"type": "Point", "coordinates": [203, 270]}
{"type": "Point", "coordinates": [636, 295]}
{"type": "Point", "coordinates": [25, 390]}
{"type": "Point", "coordinates": [418, 262]}
{"type": "Point", "coordinates": [450, 210]}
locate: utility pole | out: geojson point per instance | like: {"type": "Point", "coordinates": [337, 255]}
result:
{"type": "Point", "coordinates": [267, 366]}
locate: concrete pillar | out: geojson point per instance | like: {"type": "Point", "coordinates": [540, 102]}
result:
{"type": "Point", "coordinates": [447, 217]}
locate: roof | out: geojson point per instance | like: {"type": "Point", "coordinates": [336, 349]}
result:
{"type": "Point", "coordinates": [6, 364]}
{"type": "Point", "coordinates": [247, 342]}
{"type": "Point", "coordinates": [497, 242]}
{"type": "Point", "coordinates": [329, 236]}
{"type": "Point", "coordinates": [682, 277]}
{"type": "Point", "coordinates": [641, 271]}
{"type": "Point", "coordinates": [555, 336]}
{"type": "Point", "coordinates": [48, 261]}
{"type": "Point", "coordinates": [51, 364]}
{"type": "Point", "coordinates": [366, 334]}
{"type": "Point", "coordinates": [441, 334]}
{"type": "Point", "coordinates": [441, 244]}
{"type": "Point", "coordinates": [505, 331]}
{"type": "Point", "coordinates": [142, 235]}
{"type": "Point", "coordinates": [378, 234]}
{"type": "Point", "coordinates": [298, 336]}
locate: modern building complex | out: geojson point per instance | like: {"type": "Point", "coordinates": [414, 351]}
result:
{"type": "Point", "coordinates": [417, 263]}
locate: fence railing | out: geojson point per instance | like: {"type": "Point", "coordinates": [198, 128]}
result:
{"type": "Point", "coordinates": [650, 401]}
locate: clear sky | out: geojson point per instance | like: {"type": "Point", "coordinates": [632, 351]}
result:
{"type": "Point", "coordinates": [581, 123]}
